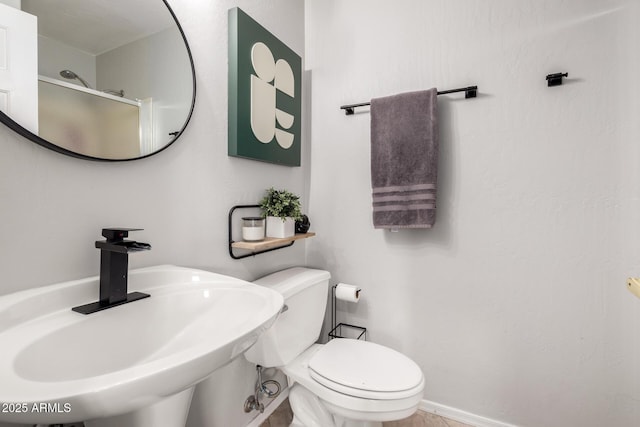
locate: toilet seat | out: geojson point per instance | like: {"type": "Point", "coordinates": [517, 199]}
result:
{"type": "Point", "coordinates": [366, 370]}
{"type": "Point", "coordinates": [347, 404]}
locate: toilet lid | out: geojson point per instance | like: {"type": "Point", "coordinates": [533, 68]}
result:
{"type": "Point", "coordinates": [360, 367]}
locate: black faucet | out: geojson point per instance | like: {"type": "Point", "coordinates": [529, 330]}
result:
{"type": "Point", "coordinates": [114, 270]}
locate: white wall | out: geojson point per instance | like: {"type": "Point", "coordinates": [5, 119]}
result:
{"type": "Point", "coordinates": [53, 207]}
{"type": "Point", "coordinates": [514, 305]}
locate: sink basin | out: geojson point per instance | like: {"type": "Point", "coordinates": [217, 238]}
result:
{"type": "Point", "coordinates": [60, 366]}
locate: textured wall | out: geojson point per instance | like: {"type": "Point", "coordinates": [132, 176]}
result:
{"type": "Point", "coordinates": [514, 305]}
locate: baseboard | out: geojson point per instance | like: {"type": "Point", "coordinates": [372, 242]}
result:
{"type": "Point", "coordinates": [460, 415]}
{"type": "Point", "coordinates": [272, 406]}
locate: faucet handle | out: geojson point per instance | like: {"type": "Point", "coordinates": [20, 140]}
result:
{"type": "Point", "coordinates": [117, 234]}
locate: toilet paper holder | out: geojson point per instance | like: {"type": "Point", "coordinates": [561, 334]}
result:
{"type": "Point", "coordinates": [344, 330]}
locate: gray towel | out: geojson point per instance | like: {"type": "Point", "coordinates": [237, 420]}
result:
{"type": "Point", "coordinates": [404, 159]}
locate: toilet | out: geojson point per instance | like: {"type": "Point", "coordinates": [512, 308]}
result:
{"type": "Point", "coordinates": [344, 383]}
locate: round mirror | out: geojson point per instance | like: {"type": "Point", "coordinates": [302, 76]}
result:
{"type": "Point", "coordinates": [99, 80]}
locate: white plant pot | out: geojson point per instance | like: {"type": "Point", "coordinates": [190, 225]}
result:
{"type": "Point", "coordinates": [276, 227]}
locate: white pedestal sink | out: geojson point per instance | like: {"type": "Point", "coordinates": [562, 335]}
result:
{"type": "Point", "coordinates": [131, 365]}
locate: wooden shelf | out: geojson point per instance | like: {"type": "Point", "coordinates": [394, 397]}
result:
{"type": "Point", "coordinates": [266, 245]}
{"type": "Point", "coordinates": [270, 242]}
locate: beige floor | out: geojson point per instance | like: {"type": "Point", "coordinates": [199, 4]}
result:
{"type": "Point", "coordinates": [282, 417]}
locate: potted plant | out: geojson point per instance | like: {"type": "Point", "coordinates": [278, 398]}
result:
{"type": "Point", "coordinates": [281, 209]}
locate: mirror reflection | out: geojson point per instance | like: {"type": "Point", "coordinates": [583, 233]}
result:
{"type": "Point", "coordinates": [114, 79]}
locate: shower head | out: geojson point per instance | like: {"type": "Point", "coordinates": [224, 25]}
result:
{"type": "Point", "coordinates": [68, 74]}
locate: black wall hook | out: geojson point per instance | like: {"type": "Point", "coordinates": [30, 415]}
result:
{"type": "Point", "coordinates": [555, 79]}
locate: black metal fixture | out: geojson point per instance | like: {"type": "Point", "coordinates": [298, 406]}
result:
{"type": "Point", "coordinates": [114, 270]}
{"type": "Point", "coordinates": [469, 92]}
{"type": "Point", "coordinates": [339, 330]}
{"type": "Point", "coordinates": [555, 79]}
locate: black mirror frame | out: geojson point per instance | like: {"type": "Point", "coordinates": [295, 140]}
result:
{"type": "Point", "coordinates": [13, 125]}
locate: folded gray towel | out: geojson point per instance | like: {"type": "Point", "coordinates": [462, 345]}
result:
{"type": "Point", "coordinates": [404, 159]}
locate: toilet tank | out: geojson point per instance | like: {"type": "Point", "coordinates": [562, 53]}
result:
{"type": "Point", "coordinates": [305, 293]}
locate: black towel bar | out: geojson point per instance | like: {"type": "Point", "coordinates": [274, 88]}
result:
{"type": "Point", "coordinates": [469, 92]}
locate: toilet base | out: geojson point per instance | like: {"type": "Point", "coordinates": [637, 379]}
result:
{"type": "Point", "coordinates": [310, 411]}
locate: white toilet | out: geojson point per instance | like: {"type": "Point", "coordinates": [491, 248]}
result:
{"type": "Point", "coordinates": [343, 383]}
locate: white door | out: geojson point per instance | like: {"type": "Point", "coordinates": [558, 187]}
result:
{"type": "Point", "coordinates": [19, 66]}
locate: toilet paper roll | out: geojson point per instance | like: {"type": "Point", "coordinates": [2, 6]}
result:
{"type": "Point", "coordinates": [346, 292]}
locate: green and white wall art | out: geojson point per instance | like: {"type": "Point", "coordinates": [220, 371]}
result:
{"type": "Point", "coordinates": [264, 94]}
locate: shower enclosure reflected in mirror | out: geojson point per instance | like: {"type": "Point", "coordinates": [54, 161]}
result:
{"type": "Point", "coordinates": [111, 80]}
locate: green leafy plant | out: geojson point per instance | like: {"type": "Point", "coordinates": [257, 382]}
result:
{"type": "Point", "coordinates": [281, 204]}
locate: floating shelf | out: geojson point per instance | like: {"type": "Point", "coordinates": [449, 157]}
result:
{"type": "Point", "coordinates": [266, 245]}
{"type": "Point", "coordinates": [270, 242]}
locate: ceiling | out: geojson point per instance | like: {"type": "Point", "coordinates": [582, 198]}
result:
{"type": "Point", "coordinates": [98, 26]}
